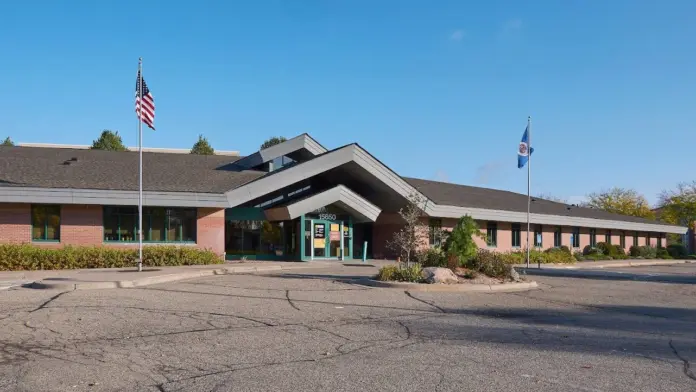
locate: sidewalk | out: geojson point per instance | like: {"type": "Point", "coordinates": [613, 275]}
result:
{"type": "Point", "coordinates": [607, 264]}
{"type": "Point", "coordinates": [109, 278]}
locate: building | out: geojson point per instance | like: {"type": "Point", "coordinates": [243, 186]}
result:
{"type": "Point", "coordinates": [294, 201]}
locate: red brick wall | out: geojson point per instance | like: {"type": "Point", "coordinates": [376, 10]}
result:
{"type": "Point", "coordinates": [211, 229]}
{"type": "Point", "coordinates": [15, 223]}
{"type": "Point", "coordinates": [81, 224]}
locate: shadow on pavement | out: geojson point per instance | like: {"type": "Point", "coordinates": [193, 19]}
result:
{"type": "Point", "coordinates": [609, 275]}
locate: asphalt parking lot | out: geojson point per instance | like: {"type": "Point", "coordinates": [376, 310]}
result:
{"type": "Point", "coordinates": [316, 330]}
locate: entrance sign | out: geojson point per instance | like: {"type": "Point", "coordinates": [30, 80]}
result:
{"type": "Point", "coordinates": [329, 217]}
{"type": "Point", "coordinates": [319, 243]}
{"type": "Point", "coordinates": [335, 236]}
{"type": "Point", "coordinates": [319, 230]}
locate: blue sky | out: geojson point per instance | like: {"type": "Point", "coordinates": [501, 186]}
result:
{"type": "Point", "coordinates": [437, 90]}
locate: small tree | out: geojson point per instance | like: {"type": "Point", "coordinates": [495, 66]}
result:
{"type": "Point", "coordinates": [8, 142]}
{"type": "Point", "coordinates": [110, 141]}
{"type": "Point", "coordinates": [410, 237]}
{"type": "Point", "coordinates": [679, 206]}
{"type": "Point", "coordinates": [272, 142]}
{"type": "Point", "coordinates": [460, 243]}
{"type": "Point", "coordinates": [202, 147]}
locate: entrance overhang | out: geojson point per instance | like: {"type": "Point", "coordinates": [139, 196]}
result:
{"type": "Point", "coordinates": [358, 207]}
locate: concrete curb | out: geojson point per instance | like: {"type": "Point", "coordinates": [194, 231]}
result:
{"type": "Point", "coordinates": [460, 288]}
{"type": "Point", "coordinates": [150, 280]}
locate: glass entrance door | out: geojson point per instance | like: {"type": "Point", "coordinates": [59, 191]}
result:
{"type": "Point", "coordinates": [328, 238]}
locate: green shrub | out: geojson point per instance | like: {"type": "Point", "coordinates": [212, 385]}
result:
{"type": "Point", "coordinates": [604, 248]}
{"type": "Point", "coordinates": [591, 250]}
{"type": "Point", "coordinates": [548, 256]}
{"type": "Point", "coordinates": [489, 263]}
{"type": "Point", "coordinates": [677, 251]}
{"type": "Point", "coordinates": [616, 252]}
{"type": "Point", "coordinates": [661, 253]}
{"type": "Point", "coordinates": [634, 251]}
{"type": "Point", "coordinates": [691, 257]}
{"type": "Point", "coordinates": [460, 243]}
{"type": "Point", "coordinates": [397, 273]}
{"type": "Point", "coordinates": [432, 257]}
{"type": "Point", "coordinates": [26, 257]}
{"type": "Point", "coordinates": [578, 255]}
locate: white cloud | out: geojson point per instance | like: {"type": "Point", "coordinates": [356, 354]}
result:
{"type": "Point", "coordinates": [457, 35]}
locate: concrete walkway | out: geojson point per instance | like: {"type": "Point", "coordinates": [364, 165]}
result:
{"type": "Point", "coordinates": [107, 278]}
{"type": "Point", "coordinates": [607, 264]}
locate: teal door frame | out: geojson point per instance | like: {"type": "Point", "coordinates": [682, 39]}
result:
{"type": "Point", "coordinates": [307, 226]}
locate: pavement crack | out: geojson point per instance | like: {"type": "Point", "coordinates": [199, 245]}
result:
{"type": "Point", "coordinates": [425, 302]}
{"type": "Point", "coordinates": [687, 366]}
{"type": "Point", "coordinates": [287, 296]}
{"type": "Point", "coordinates": [43, 305]}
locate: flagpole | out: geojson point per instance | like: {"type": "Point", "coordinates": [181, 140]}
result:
{"type": "Point", "coordinates": [140, 166]}
{"type": "Point", "coordinates": [529, 177]}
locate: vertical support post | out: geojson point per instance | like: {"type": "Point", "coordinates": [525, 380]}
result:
{"type": "Point", "coordinates": [140, 165]}
{"type": "Point", "coordinates": [340, 240]}
{"type": "Point", "coordinates": [364, 252]}
{"type": "Point", "coordinates": [301, 235]}
{"type": "Point", "coordinates": [311, 239]}
{"type": "Point", "coordinates": [529, 176]}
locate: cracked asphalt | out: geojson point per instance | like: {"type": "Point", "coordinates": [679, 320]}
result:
{"type": "Point", "coordinates": [316, 330]}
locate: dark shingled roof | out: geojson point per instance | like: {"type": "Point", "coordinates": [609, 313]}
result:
{"type": "Point", "coordinates": [474, 197]}
{"type": "Point", "coordinates": [110, 170]}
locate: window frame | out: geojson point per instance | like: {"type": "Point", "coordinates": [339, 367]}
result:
{"type": "Point", "coordinates": [434, 224]}
{"type": "Point", "coordinates": [575, 240]}
{"type": "Point", "coordinates": [516, 232]}
{"type": "Point", "coordinates": [45, 223]}
{"type": "Point", "coordinates": [593, 238]}
{"type": "Point", "coordinates": [147, 234]}
{"type": "Point", "coordinates": [538, 229]}
{"type": "Point", "coordinates": [558, 237]}
{"type": "Point", "coordinates": [491, 234]}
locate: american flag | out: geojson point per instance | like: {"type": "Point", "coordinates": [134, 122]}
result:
{"type": "Point", "coordinates": [148, 103]}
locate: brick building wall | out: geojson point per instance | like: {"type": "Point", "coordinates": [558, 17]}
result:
{"type": "Point", "coordinates": [82, 225]}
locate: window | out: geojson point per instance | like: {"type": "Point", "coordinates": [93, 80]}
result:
{"type": "Point", "coordinates": [160, 224]}
{"type": "Point", "coordinates": [516, 241]}
{"type": "Point", "coordinates": [557, 237]}
{"type": "Point", "coordinates": [635, 238]}
{"type": "Point", "coordinates": [435, 232]}
{"type": "Point", "coordinates": [622, 239]}
{"type": "Point", "coordinates": [593, 237]}
{"type": "Point", "coordinates": [575, 237]}
{"type": "Point", "coordinates": [607, 237]}
{"type": "Point", "coordinates": [492, 234]}
{"type": "Point", "coordinates": [538, 237]}
{"type": "Point", "coordinates": [45, 223]}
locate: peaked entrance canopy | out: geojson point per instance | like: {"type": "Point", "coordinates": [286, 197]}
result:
{"type": "Point", "coordinates": [358, 207]}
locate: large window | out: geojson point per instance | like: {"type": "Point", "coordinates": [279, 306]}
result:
{"type": "Point", "coordinates": [516, 237]}
{"type": "Point", "coordinates": [256, 237]}
{"type": "Point", "coordinates": [557, 237]}
{"type": "Point", "coordinates": [435, 232]}
{"type": "Point", "coordinates": [492, 234]}
{"type": "Point", "coordinates": [575, 237]}
{"type": "Point", "coordinates": [622, 239]}
{"type": "Point", "coordinates": [607, 237]}
{"type": "Point", "coordinates": [593, 237]}
{"type": "Point", "coordinates": [538, 236]}
{"type": "Point", "coordinates": [160, 224]}
{"type": "Point", "coordinates": [45, 223]}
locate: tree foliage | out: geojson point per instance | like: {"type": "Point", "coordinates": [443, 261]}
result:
{"type": "Point", "coordinates": [411, 236]}
{"type": "Point", "coordinates": [202, 147]}
{"type": "Point", "coordinates": [110, 141]}
{"type": "Point", "coordinates": [678, 206]}
{"type": "Point", "coordinates": [272, 142]}
{"type": "Point", "coordinates": [460, 242]}
{"type": "Point", "coordinates": [8, 142]}
{"type": "Point", "coordinates": [621, 201]}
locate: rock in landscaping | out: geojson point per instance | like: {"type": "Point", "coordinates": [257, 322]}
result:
{"type": "Point", "coordinates": [514, 275]}
{"type": "Point", "coordinates": [439, 275]}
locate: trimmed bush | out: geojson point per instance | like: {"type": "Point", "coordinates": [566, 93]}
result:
{"type": "Point", "coordinates": [491, 264]}
{"type": "Point", "coordinates": [26, 257]}
{"type": "Point", "coordinates": [592, 251]}
{"type": "Point", "coordinates": [661, 253]}
{"type": "Point", "coordinates": [677, 251]}
{"type": "Point", "coordinates": [432, 257]}
{"type": "Point", "coordinates": [578, 255]}
{"type": "Point", "coordinates": [396, 273]}
{"type": "Point", "coordinates": [548, 256]}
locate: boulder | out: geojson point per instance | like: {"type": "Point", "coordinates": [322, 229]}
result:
{"type": "Point", "coordinates": [439, 275]}
{"type": "Point", "coordinates": [514, 275]}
